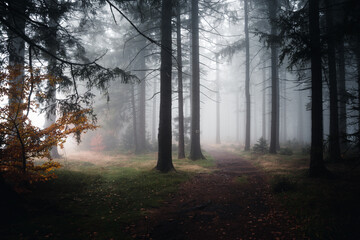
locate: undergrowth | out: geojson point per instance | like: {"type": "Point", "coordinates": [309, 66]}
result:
{"type": "Point", "coordinates": [89, 201]}
{"type": "Point", "coordinates": [325, 208]}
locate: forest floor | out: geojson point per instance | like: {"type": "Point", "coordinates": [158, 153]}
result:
{"type": "Point", "coordinates": [230, 195]}
{"type": "Point", "coordinates": [235, 201]}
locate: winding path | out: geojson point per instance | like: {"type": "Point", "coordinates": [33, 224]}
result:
{"type": "Point", "coordinates": [233, 202]}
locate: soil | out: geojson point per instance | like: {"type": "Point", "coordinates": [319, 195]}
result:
{"type": "Point", "coordinates": [233, 202]}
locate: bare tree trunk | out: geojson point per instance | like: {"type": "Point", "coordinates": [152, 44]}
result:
{"type": "Point", "coordinates": [300, 127]}
{"type": "Point", "coordinates": [264, 101]}
{"type": "Point", "coordinates": [237, 112]}
{"type": "Point", "coordinates": [16, 50]}
{"type": "Point", "coordinates": [218, 141]}
{"type": "Point", "coordinates": [334, 145]}
{"type": "Point", "coordinates": [317, 166]}
{"type": "Point", "coordinates": [274, 82]}
{"type": "Point", "coordinates": [133, 106]}
{"type": "Point", "coordinates": [52, 47]}
{"type": "Point", "coordinates": [358, 86]}
{"type": "Point", "coordinates": [342, 96]}
{"type": "Point", "coordinates": [181, 147]}
{"type": "Point", "coordinates": [247, 79]}
{"type": "Point", "coordinates": [154, 111]}
{"type": "Point", "coordinates": [195, 150]}
{"type": "Point", "coordinates": [164, 162]}
{"type": "Point", "coordinates": [284, 126]}
{"type": "Point", "coordinates": [141, 129]}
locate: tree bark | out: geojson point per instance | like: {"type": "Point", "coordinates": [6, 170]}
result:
{"type": "Point", "coordinates": [16, 50]}
{"type": "Point", "coordinates": [52, 69]}
{"type": "Point", "coordinates": [141, 129]}
{"type": "Point", "coordinates": [264, 101]}
{"type": "Point", "coordinates": [195, 148]}
{"type": "Point", "coordinates": [334, 145]}
{"type": "Point", "coordinates": [164, 162]}
{"type": "Point", "coordinates": [300, 124]}
{"type": "Point", "coordinates": [153, 132]}
{"type": "Point", "coordinates": [237, 112]}
{"type": "Point", "coordinates": [247, 79]}
{"type": "Point", "coordinates": [317, 167]}
{"type": "Point", "coordinates": [284, 125]}
{"type": "Point", "coordinates": [133, 107]}
{"type": "Point", "coordinates": [181, 147]}
{"type": "Point", "coordinates": [274, 81]}
{"type": "Point", "coordinates": [342, 95]}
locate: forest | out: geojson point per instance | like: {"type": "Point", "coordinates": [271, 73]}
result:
{"type": "Point", "coordinates": [179, 119]}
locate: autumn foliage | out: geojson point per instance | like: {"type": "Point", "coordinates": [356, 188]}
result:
{"type": "Point", "coordinates": [25, 148]}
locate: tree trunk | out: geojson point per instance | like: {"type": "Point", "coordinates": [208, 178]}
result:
{"type": "Point", "coordinates": [358, 86]}
{"type": "Point", "coordinates": [237, 112]}
{"type": "Point", "coordinates": [16, 50]}
{"type": "Point", "coordinates": [141, 129]}
{"type": "Point", "coordinates": [247, 79]}
{"type": "Point", "coordinates": [218, 141]}
{"type": "Point", "coordinates": [317, 167]}
{"type": "Point", "coordinates": [164, 162]}
{"type": "Point", "coordinates": [274, 82]}
{"type": "Point", "coordinates": [264, 101]}
{"type": "Point", "coordinates": [181, 147]}
{"type": "Point", "coordinates": [334, 145]}
{"type": "Point", "coordinates": [342, 96]}
{"type": "Point", "coordinates": [195, 148]}
{"type": "Point", "coordinates": [133, 107]}
{"type": "Point", "coordinates": [284, 127]}
{"type": "Point", "coordinates": [153, 132]}
{"type": "Point", "coordinates": [300, 124]}
{"type": "Point", "coordinates": [52, 46]}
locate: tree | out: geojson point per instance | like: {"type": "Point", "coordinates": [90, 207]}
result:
{"type": "Point", "coordinates": [334, 145]}
{"type": "Point", "coordinates": [134, 122]}
{"type": "Point", "coordinates": [164, 162]}
{"type": "Point", "coordinates": [141, 130]}
{"type": "Point", "coordinates": [247, 78]}
{"type": "Point", "coordinates": [317, 166]}
{"type": "Point", "coordinates": [51, 44]}
{"type": "Point", "coordinates": [22, 142]}
{"type": "Point", "coordinates": [274, 80]}
{"type": "Point", "coordinates": [218, 141]}
{"type": "Point", "coordinates": [181, 147]}
{"type": "Point", "coordinates": [195, 148]}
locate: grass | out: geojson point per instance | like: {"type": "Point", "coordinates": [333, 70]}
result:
{"type": "Point", "coordinates": [97, 201]}
{"type": "Point", "coordinates": [325, 208]}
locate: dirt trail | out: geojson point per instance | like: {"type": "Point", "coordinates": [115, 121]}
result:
{"type": "Point", "coordinates": [234, 202]}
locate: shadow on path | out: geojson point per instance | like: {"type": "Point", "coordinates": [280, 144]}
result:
{"type": "Point", "coordinates": [233, 202]}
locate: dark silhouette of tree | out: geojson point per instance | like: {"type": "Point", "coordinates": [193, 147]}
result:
{"type": "Point", "coordinates": [274, 138]}
{"type": "Point", "coordinates": [218, 141]}
{"type": "Point", "coordinates": [334, 145]}
{"type": "Point", "coordinates": [51, 44]}
{"type": "Point", "coordinates": [247, 78]}
{"type": "Point", "coordinates": [181, 147]}
{"type": "Point", "coordinates": [195, 148]}
{"type": "Point", "coordinates": [164, 162]}
{"type": "Point", "coordinates": [317, 166]}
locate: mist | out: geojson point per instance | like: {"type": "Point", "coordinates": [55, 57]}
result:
{"type": "Point", "coordinates": [177, 119]}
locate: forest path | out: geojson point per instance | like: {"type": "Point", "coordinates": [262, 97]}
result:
{"type": "Point", "coordinates": [233, 202]}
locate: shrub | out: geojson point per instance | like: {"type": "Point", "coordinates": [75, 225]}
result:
{"type": "Point", "coordinates": [261, 146]}
{"type": "Point", "coordinates": [282, 184]}
{"type": "Point", "coordinates": [286, 151]}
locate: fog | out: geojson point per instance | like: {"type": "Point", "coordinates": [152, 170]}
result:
{"type": "Point", "coordinates": [120, 43]}
{"type": "Point", "coordinates": [113, 40]}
